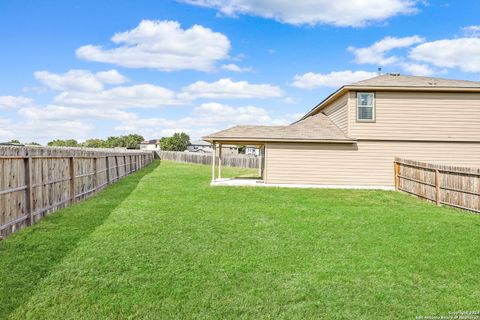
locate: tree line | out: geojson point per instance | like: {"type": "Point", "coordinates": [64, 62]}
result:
{"type": "Point", "coordinates": [131, 141]}
{"type": "Point", "coordinates": [178, 142]}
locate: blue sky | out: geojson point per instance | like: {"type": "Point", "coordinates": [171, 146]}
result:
{"type": "Point", "coordinates": [83, 69]}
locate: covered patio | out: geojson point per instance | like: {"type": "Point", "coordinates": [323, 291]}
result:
{"type": "Point", "coordinates": [217, 163]}
{"type": "Point", "coordinates": [316, 129]}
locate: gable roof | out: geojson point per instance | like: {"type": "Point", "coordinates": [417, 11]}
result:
{"type": "Point", "coordinates": [397, 82]}
{"type": "Point", "coordinates": [313, 129]}
{"type": "Point", "coordinates": [317, 127]}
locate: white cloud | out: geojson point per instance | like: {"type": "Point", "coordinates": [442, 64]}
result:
{"type": "Point", "coordinates": [462, 53]}
{"type": "Point", "coordinates": [137, 96]}
{"type": "Point", "coordinates": [14, 101]}
{"type": "Point", "coordinates": [111, 77]}
{"type": "Point", "coordinates": [81, 88]}
{"type": "Point", "coordinates": [53, 112]}
{"type": "Point", "coordinates": [417, 69]}
{"type": "Point", "coordinates": [313, 12]}
{"type": "Point", "coordinates": [162, 45]}
{"type": "Point", "coordinates": [214, 113]}
{"type": "Point", "coordinates": [379, 54]}
{"type": "Point", "coordinates": [235, 68]}
{"type": "Point", "coordinates": [333, 79]}
{"type": "Point", "coordinates": [471, 31]}
{"type": "Point", "coordinates": [228, 89]}
{"type": "Point", "coordinates": [43, 130]}
{"type": "Point", "coordinates": [79, 80]}
{"type": "Point", "coordinates": [205, 119]}
{"type": "Point", "coordinates": [375, 54]}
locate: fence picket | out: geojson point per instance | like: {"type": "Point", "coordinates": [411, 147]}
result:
{"type": "Point", "coordinates": [241, 161]}
{"type": "Point", "coordinates": [35, 181]}
{"type": "Point", "coordinates": [449, 185]}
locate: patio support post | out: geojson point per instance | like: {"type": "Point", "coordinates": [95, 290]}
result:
{"type": "Point", "coordinates": [213, 160]}
{"type": "Point", "coordinates": [219, 161]}
{"type": "Point", "coordinates": [260, 159]}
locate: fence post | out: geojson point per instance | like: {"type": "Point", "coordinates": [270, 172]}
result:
{"type": "Point", "coordinates": [437, 187]}
{"type": "Point", "coordinates": [107, 168]}
{"type": "Point", "coordinates": [95, 173]}
{"type": "Point", "coordinates": [118, 169]}
{"type": "Point", "coordinates": [395, 174]}
{"type": "Point", "coordinates": [72, 180]}
{"type": "Point", "coordinates": [29, 190]}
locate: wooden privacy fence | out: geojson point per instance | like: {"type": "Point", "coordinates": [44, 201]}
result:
{"type": "Point", "coordinates": [35, 181]}
{"type": "Point", "coordinates": [241, 161]}
{"type": "Point", "coordinates": [449, 185]}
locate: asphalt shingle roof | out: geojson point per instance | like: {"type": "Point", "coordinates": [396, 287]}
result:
{"type": "Point", "coordinates": [317, 127]}
{"type": "Point", "coordinates": [395, 80]}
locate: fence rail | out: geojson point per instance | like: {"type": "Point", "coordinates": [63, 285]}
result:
{"type": "Point", "coordinates": [241, 161]}
{"type": "Point", "coordinates": [453, 186]}
{"type": "Point", "coordinates": [35, 181]}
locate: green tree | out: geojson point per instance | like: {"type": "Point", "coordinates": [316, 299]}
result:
{"type": "Point", "coordinates": [113, 142]}
{"type": "Point", "coordinates": [95, 143]}
{"type": "Point", "coordinates": [64, 143]}
{"type": "Point", "coordinates": [15, 141]}
{"type": "Point", "coordinates": [132, 141]}
{"type": "Point", "coordinates": [33, 143]}
{"type": "Point", "coordinates": [56, 143]}
{"type": "Point", "coordinates": [178, 142]}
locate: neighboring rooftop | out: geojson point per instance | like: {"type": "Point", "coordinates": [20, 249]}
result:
{"type": "Point", "coordinates": [153, 141]}
{"type": "Point", "coordinates": [316, 128]}
{"type": "Point", "coordinates": [200, 143]}
{"type": "Point", "coordinates": [397, 80]}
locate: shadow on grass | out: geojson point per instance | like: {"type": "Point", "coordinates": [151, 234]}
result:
{"type": "Point", "coordinates": [26, 257]}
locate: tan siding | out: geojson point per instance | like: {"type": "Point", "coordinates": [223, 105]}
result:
{"type": "Point", "coordinates": [420, 116]}
{"type": "Point", "coordinates": [338, 112]}
{"type": "Point", "coordinates": [368, 163]}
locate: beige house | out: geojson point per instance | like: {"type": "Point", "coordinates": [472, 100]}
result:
{"type": "Point", "coordinates": [351, 138]}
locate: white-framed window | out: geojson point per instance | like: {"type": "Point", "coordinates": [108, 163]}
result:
{"type": "Point", "coordinates": [365, 106]}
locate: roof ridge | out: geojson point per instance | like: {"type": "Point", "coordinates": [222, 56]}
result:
{"type": "Point", "coordinates": [414, 81]}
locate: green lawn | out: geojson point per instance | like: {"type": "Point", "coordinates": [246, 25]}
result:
{"type": "Point", "coordinates": [164, 244]}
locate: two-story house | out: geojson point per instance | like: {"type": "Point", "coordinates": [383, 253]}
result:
{"type": "Point", "coordinates": [351, 138]}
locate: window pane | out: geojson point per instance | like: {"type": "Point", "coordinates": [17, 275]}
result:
{"type": "Point", "coordinates": [365, 113]}
{"type": "Point", "coordinates": [365, 105]}
{"type": "Point", "coordinates": [365, 99]}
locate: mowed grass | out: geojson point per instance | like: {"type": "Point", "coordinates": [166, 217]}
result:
{"type": "Point", "coordinates": [163, 244]}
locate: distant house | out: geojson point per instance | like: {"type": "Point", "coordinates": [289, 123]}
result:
{"type": "Point", "coordinates": [206, 147]}
{"type": "Point", "coordinates": [150, 145]}
{"type": "Point", "coordinates": [252, 151]}
{"type": "Point", "coordinates": [200, 146]}
{"type": "Point", "coordinates": [351, 138]}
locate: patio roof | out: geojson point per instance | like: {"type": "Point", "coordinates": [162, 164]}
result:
{"type": "Point", "coordinates": [318, 128]}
